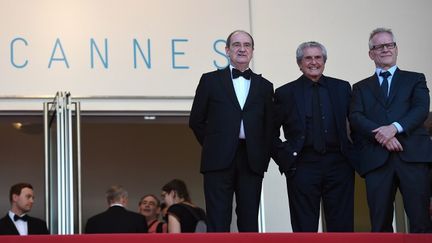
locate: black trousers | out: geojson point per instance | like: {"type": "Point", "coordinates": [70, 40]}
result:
{"type": "Point", "coordinates": [412, 179]}
{"type": "Point", "coordinates": [327, 177]}
{"type": "Point", "coordinates": [219, 188]}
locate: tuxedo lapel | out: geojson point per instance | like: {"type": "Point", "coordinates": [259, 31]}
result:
{"type": "Point", "coordinates": [335, 101]}
{"type": "Point", "coordinates": [11, 229]}
{"type": "Point", "coordinates": [33, 228]}
{"type": "Point", "coordinates": [373, 84]}
{"type": "Point", "coordinates": [225, 76]}
{"type": "Point", "coordinates": [253, 89]}
{"type": "Point", "coordinates": [395, 84]}
{"type": "Point", "coordinates": [299, 96]}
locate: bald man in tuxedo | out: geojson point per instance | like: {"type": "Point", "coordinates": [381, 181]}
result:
{"type": "Point", "coordinates": [231, 117]}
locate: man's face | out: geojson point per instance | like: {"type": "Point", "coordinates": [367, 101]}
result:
{"type": "Point", "coordinates": [149, 208]}
{"type": "Point", "coordinates": [23, 202]}
{"type": "Point", "coordinates": [240, 50]}
{"type": "Point", "coordinates": [385, 52]}
{"type": "Point", "coordinates": [312, 64]}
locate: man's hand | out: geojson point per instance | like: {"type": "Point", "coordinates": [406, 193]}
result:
{"type": "Point", "coordinates": [393, 145]}
{"type": "Point", "coordinates": [385, 133]}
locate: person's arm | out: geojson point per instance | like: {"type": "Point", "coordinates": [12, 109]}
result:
{"type": "Point", "coordinates": [89, 229]}
{"type": "Point", "coordinates": [173, 224]}
{"type": "Point", "coordinates": [418, 111]}
{"type": "Point", "coordinates": [384, 134]}
{"type": "Point", "coordinates": [198, 114]}
{"type": "Point", "coordinates": [269, 116]}
{"type": "Point", "coordinates": [419, 107]}
{"type": "Point", "coordinates": [360, 124]}
{"type": "Point", "coordinates": [286, 117]}
{"type": "Point", "coordinates": [393, 145]}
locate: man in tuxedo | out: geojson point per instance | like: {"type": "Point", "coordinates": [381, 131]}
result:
{"type": "Point", "coordinates": [17, 221]}
{"type": "Point", "coordinates": [387, 114]}
{"type": "Point", "coordinates": [231, 117]}
{"type": "Point", "coordinates": [313, 112]}
{"type": "Point", "coordinates": [117, 219]}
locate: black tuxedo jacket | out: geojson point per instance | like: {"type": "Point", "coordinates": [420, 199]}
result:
{"type": "Point", "coordinates": [408, 104]}
{"type": "Point", "coordinates": [116, 220]}
{"type": "Point", "coordinates": [215, 120]}
{"type": "Point", "coordinates": [291, 115]}
{"type": "Point", "coordinates": [35, 226]}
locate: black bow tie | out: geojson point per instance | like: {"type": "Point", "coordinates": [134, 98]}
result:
{"type": "Point", "coordinates": [237, 73]}
{"type": "Point", "coordinates": [23, 218]}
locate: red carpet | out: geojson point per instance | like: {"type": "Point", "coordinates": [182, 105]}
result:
{"type": "Point", "coordinates": [227, 238]}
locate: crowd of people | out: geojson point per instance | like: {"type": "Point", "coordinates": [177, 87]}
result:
{"type": "Point", "coordinates": [329, 132]}
{"type": "Point", "coordinates": [179, 215]}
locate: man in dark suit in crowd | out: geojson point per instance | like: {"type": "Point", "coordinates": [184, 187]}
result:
{"type": "Point", "coordinates": [387, 114]}
{"type": "Point", "coordinates": [117, 219]}
{"type": "Point", "coordinates": [313, 112]}
{"type": "Point", "coordinates": [16, 221]}
{"type": "Point", "coordinates": [231, 117]}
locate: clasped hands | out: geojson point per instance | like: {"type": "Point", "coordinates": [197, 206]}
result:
{"type": "Point", "coordinates": [385, 135]}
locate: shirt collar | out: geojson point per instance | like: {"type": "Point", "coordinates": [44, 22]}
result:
{"type": "Point", "coordinates": [12, 214]}
{"type": "Point", "coordinates": [321, 81]}
{"type": "Point", "coordinates": [391, 70]}
{"type": "Point", "coordinates": [117, 204]}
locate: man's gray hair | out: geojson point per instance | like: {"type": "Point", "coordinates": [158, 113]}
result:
{"type": "Point", "coordinates": [115, 193]}
{"type": "Point", "coordinates": [308, 44]}
{"type": "Point", "coordinates": [377, 31]}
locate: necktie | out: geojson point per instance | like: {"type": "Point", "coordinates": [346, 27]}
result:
{"type": "Point", "coordinates": [385, 84]}
{"type": "Point", "coordinates": [317, 123]}
{"type": "Point", "coordinates": [237, 73]}
{"type": "Point", "coordinates": [23, 218]}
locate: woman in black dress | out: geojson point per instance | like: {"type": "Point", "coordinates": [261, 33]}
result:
{"type": "Point", "coordinates": [183, 215]}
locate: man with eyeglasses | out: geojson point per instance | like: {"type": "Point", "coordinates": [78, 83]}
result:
{"type": "Point", "coordinates": [315, 156]}
{"type": "Point", "coordinates": [387, 113]}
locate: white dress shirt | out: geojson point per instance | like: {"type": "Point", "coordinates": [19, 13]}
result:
{"type": "Point", "coordinates": [21, 225]}
{"type": "Point", "coordinates": [391, 70]}
{"type": "Point", "coordinates": [241, 87]}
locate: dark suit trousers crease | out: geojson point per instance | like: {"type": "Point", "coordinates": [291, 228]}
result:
{"type": "Point", "coordinates": [329, 178]}
{"type": "Point", "coordinates": [219, 187]}
{"type": "Point", "coordinates": [412, 179]}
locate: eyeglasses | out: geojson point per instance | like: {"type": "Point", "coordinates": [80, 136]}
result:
{"type": "Point", "coordinates": [389, 46]}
